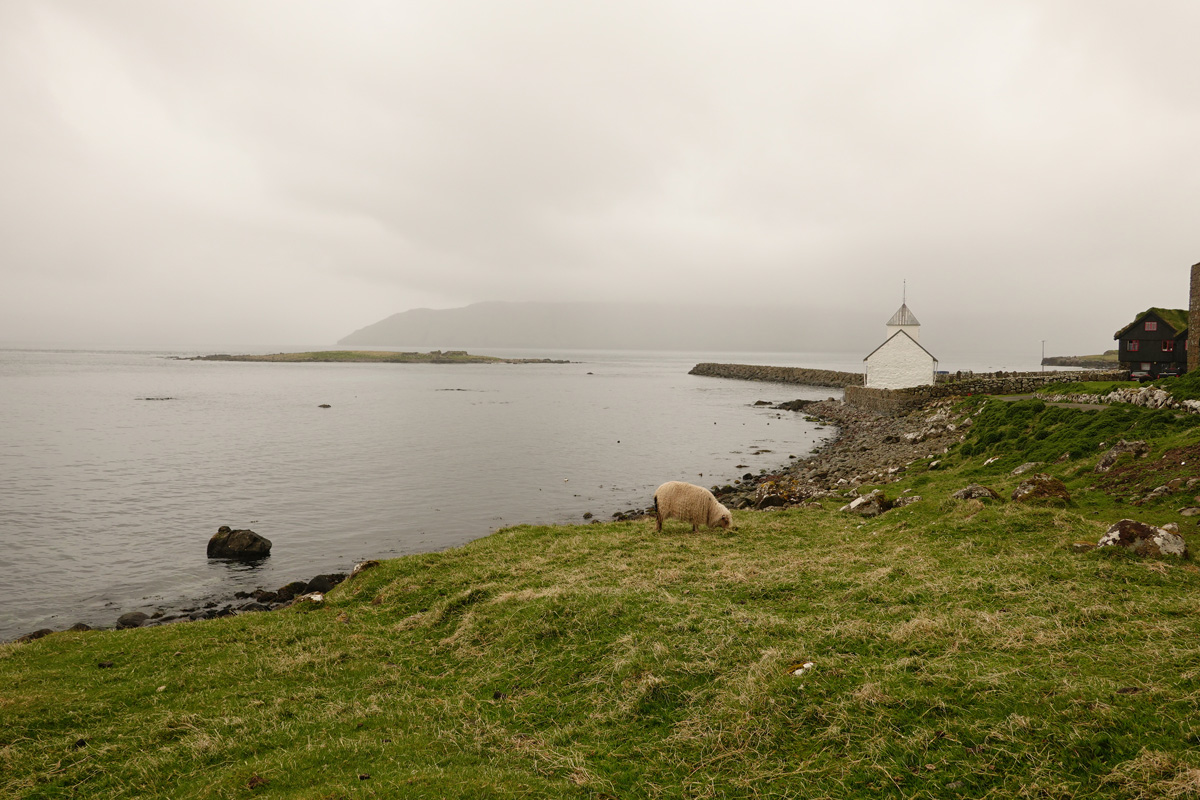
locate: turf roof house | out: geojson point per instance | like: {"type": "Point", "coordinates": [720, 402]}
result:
{"type": "Point", "coordinates": [1155, 342]}
{"type": "Point", "coordinates": [900, 361]}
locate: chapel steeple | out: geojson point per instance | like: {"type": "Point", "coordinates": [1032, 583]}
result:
{"type": "Point", "coordinates": [904, 320]}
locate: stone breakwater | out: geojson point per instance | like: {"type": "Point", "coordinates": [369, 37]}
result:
{"type": "Point", "coordinates": [796, 375]}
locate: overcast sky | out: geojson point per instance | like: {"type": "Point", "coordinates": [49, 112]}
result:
{"type": "Point", "coordinates": [248, 171]}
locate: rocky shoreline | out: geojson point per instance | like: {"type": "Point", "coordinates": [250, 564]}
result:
{"type": "Point", "coordinates": [221, 605]}
{"type": "Point", "coordinates": [868, 448]}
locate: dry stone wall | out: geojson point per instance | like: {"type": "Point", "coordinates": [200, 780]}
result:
{"type": "Point", "coordinates": [899, 401]}
{"type": "Point", "coordinates": [800, 375]}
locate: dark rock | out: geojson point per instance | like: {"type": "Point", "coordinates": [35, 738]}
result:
{"type": "Point", "coordinates": [587, 515]}
{"type": "Point", "coordinates": [80, 626]}
{"type": "Point", "coordinates": [240, 544]}
{"type": "Point", "coordinates": [242, 595]}
{"type": "Point", "coordinates": [762, 402]}
{"type": "Point", "coordinates": [1041, 488]}
{"type": "Point", "coordinates": [253, 607]}
{"type": "Point", "coordinates": [975, 492]}
{"type": "Point", "coordinates": [288, 593]}
{"type": "Point", "coordinates": [1143, 539]}
{"type": "Point", "coordinates": [323, 583]}
{"type": "Point", "coordinates": [132, 619]}
{"type": "Point", "coordinates": [38, 634]}
{"type": "Point", "coordinates": [795, 405]}
{"type": "Point", "coordinates": [771, 500]}
{"type": "Point", "coordinates": [324, 405]}
{"type": "Point", "coordinates": [105, 665]}
{"type": "Point", "coordinates": [263, 596]}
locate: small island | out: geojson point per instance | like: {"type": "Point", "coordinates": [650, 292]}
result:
{"type": "Point", "coordinates": [378, 356]}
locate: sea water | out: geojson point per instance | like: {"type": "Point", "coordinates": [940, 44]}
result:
{"type": "Point", "coordinates": [116, 467]}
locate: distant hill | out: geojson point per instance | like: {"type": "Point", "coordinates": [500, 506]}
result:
{"type": "Point", "coordinates": [616, 326]}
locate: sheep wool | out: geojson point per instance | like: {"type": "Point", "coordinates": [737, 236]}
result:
{"type": "Point", "coordinates": [690, 503]}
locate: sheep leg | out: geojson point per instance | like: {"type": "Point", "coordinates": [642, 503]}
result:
{"type": "Point", "coordinates": [694, 528]}
{"type": "Point", "coordinates": [658, 522]}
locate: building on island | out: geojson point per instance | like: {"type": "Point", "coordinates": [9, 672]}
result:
{"type": "Point", "coordinates": [900, 361]}
{"type": "Point", "coordinates": [1155, 343]}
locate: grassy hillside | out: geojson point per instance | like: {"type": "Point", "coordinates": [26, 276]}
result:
{"type": "Point", "coordinates": [958, 649]}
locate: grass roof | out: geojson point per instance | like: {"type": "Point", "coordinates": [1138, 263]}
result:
{"type": "Point", "coordinates": [1177, 318]}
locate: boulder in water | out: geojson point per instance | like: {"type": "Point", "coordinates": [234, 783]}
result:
{"type": "Point", "coordinates": [243, 544]}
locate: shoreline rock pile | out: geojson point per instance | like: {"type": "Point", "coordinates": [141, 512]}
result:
{"type": "Point", "coordinates": [257, 601]}
{"type": "Point", "coordinates": [869, 448]}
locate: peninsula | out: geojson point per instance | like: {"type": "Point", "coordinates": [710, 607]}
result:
{"type": "Point", "coordinates": [379, 356]}
{"type": "Point", "coordinates": [1106, 360]}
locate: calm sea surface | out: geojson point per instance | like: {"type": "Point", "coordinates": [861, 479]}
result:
{"type": "Point", "coordinates": [108, 499]}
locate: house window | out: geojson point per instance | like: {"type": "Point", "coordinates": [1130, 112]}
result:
{"type": "Point", "coordinates": [1134, 345]}
{"type": "Point", "coordinates": [1151, 326]}
{"type": "Point", "coordinates": [1168, 345]}
{"type": "Point", "coordinates": [1145, 366]}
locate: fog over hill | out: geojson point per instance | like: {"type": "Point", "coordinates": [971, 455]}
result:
{"type": "Point", "coordinates": [614, 326]}
{"type": "Point", "coordinates": [952, 335]}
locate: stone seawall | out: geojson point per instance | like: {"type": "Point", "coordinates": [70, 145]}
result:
{"type": "Point", "coordinates": [900, 401]}
{"type": "Point", "coordinates": [800, 375]}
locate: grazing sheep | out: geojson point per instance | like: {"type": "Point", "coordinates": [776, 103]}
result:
{"type": "Point", "coordinates": [690, 503]}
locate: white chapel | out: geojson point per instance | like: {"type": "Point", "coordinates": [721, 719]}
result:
{"type": "Point", "coordinates": [900, 361]}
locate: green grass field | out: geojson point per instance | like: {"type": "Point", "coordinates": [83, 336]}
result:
{"type": "Point", "coordinates": [959, 649]}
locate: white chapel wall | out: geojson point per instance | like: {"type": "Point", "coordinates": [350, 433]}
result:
{"type": "Point", "coordinates": [898, 364]}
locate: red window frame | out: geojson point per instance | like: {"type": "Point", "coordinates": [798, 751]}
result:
{"type": "Point", "coordinates": [1151, 326]}
{"type": "Point", "coordinates": [1168, 345]}
{"type": "Point", "coordinates": [1134, 345]}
